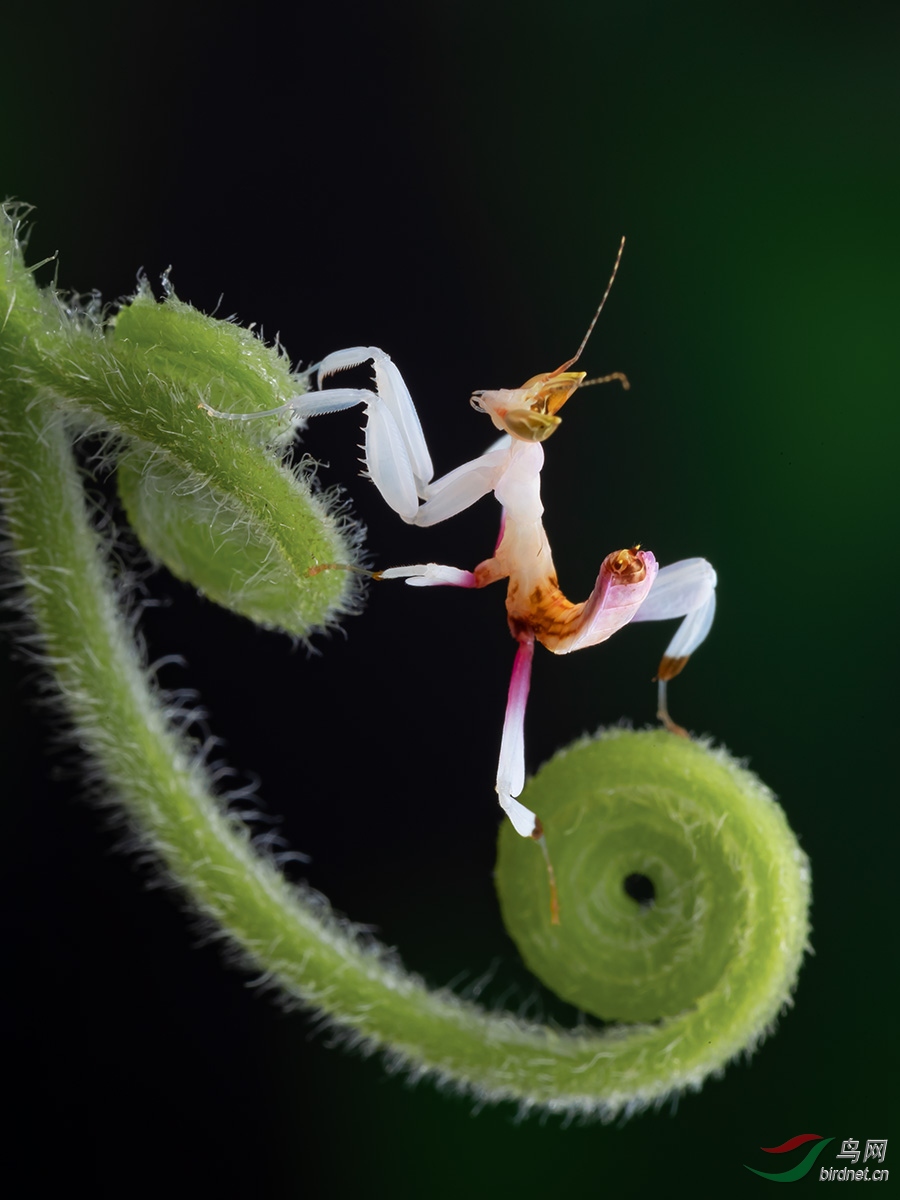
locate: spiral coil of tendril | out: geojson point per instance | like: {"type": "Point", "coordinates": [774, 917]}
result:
{"type": "Point", "coordinates": [684, 894]}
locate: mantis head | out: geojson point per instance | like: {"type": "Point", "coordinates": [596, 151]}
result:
{"type": "Point", "coordinates": [529, 413]}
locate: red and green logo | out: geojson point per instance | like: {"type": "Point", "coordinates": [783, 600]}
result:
{"type": "Point", "coordinates": [804, 1166]}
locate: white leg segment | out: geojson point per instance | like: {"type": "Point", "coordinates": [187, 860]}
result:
{"type": "Point", "coordinates": [460, 488]}
{"type": "Point", "coordinates": [318, 404]}
{"type": "Point", "coordinates": [683, 589]}
{"type": "Point", "coordinates": [387, 460]}
{"type": "Point", "coordinates": [511, 768]}
{"type": "Point", "coordinates": [431, 575]}
{"type": "Point", "coordinates": [386, 452]}
{"type": "Point", "coordinates": [394, 394]}
{"type": "Point", "coordinates": [309, 404]}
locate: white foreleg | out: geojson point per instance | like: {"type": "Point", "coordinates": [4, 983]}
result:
{"type": "Point", "coordinates": [683, 589]}
{"type": "Point", "coordinates": [396, 455]}
{"type": "Point", "coordinates": [392, 390]}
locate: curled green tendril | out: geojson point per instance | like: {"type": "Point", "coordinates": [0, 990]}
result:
{"type": "Point", "coordinates": [684, 894]}
{"type": "Point", "coordinates": [723, 863]}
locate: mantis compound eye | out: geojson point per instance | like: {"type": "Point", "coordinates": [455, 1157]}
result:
{"type": "Point", "coordinates": [530, 425]}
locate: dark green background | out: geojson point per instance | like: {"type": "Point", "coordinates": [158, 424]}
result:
{"type": "Point", "coordinates": [450, 182]}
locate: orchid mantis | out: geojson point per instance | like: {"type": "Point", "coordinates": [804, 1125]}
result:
{"type": "Point", "coordinates": [630, 586]}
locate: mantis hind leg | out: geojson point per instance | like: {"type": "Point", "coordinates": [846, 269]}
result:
{"type": "Point", "coordinates": [684, 589]}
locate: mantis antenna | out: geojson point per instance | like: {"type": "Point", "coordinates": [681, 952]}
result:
{"type": "Point", "coordinates": [615, 375]}
{"type": "Point", "coordinates": [595, 318]}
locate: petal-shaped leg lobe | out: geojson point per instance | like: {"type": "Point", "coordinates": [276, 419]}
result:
{"type": "Point", "coordinates": [684, 589]}
{"type": "Point", "coordinates": [431, 575]}
{"type": "Point", "coordinates": [511, 767]}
